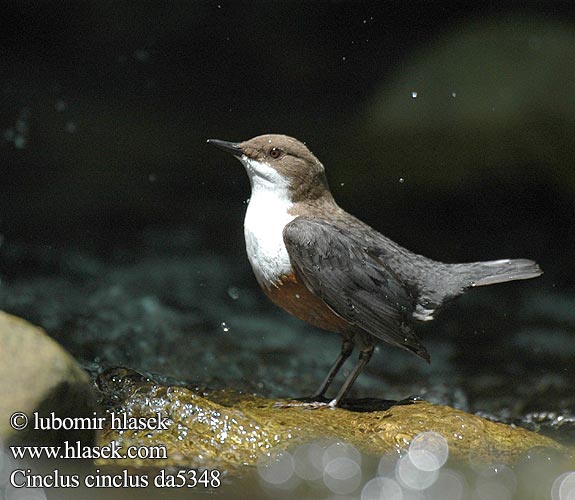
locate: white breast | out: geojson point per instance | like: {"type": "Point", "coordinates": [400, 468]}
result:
{"type": "Point", "coordinates": [266, 217]}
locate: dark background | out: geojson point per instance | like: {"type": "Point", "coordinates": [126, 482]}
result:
{"type": "Point", "coordinates": [447, 126]}
{"type": "Point", "coordinates": [105, 108]}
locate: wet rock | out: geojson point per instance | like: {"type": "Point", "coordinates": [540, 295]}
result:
{"type": "Point", "coordinates": [228, 430]}
{"type": "Point", "coordinates": [38, 375]}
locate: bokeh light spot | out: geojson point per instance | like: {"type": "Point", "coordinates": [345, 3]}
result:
{"type": "Point", "coordinates": [277, 468]}
{"type": "Point", "coordinates": [381, 488]}
{"type": "Point", "coordinates": [428, 451]}
{"type": "Point", "coordinates": [564, 487]}
{"type": "Point", "coordinates": [342, 475]}
{"type": "Point", "coordinates": [413, 477]}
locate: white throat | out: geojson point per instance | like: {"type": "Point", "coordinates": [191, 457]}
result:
{"type": "Point", "coordinates": [266, 216]}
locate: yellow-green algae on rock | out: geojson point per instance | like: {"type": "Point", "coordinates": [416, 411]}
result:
{"type": "Point", "coordinates": [228, 430]}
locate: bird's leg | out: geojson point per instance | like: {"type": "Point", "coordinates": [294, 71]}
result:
{"type": "Point", "coordinates": [318, 400]}
{"type": "Point", "coordinates": [346, 350]}
{"type": "Point", "coordinates": [364, 357]}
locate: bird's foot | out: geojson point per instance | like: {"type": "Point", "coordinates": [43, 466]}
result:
{"type": "Point", "coordinates": [308, 403]}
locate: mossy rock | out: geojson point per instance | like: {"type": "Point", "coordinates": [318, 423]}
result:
{"type": "Point", "coordinates": [228, 430]}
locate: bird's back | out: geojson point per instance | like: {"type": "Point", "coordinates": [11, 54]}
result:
{"type": "Point", "coordinates": [431, 282]}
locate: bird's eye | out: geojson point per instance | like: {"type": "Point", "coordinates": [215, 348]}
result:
{"type": "Point", "coordinates": [275, 152]}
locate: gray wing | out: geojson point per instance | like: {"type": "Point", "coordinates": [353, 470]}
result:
{"type": "Point", "coordinates": [352, 280]}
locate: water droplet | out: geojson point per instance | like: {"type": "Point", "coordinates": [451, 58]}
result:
{"type": "Point", "coordinates": [141, 55]}
{"type": "Point", "coordinates": [401, 180]}
{"type": "Point", "coordinates": [234, 292]}
{"type": "Point", "coordinates": [225, 327]}
{"type": "Point", "coordinates": [343, 58]}
{"type": "Point", "coordinates": [9, 134]}
{"type": "Point", "coordinates": [453, 94]}
{"type": "Point", "coordinates": [342, 184]}
{"type": "Point", "coordinates": [60, 106]}
{"type": "Point", "coordinates": [71, 127]}
{"type": "Point", "coordinates": [21, 125]}
{"type": "Point", "coordinates": [414, 95]}
{"type": "Point", "coordinates": [19, 142]}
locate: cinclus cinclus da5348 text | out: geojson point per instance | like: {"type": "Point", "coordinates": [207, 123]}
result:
{"type": "Point", "coordinates": [328, 268]}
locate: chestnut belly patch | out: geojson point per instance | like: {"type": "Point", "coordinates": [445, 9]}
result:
{"type": "Point", "coordinates": [289, 293]}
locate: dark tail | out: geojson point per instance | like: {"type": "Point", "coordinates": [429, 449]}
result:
{"type": "Point", "coordinates": [447, 281]}
{"type": "Point", "coordinates": [496, 271]}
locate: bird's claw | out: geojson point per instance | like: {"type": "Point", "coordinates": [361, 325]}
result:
{"type": "Point", "coordinates": [310, 405]}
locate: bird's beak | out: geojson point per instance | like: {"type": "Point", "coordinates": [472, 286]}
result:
{"type": "Point", "coordinates": [231, 147]}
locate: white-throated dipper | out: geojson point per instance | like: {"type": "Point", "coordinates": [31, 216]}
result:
{"type": "Point", "coordinates": [328, 268]}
